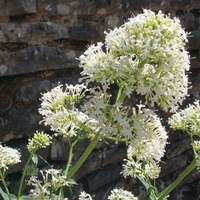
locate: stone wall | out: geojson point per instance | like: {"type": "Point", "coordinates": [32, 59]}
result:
{"type": "Point", "coordinates": [39, 43]}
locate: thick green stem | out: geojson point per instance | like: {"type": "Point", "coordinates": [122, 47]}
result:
{"type": "Point", "coordinates": [167, 190]}
{"type": "Point", "coordinates": [83, 157]}
{"type": "Point", "coordinates": [23, 176]}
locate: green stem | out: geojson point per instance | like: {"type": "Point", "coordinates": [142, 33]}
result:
{"type": "Point", "coordinates": [83, 157]}
{"type": "Point", "coordinates": [69, 160]}
{"type": "Point", "coordinates": [68, 165]}
{"type": "Point", "coordinates": [4, 183]}
{"type": "Point", "coordinates": [167, 190]}
{"type": "Point", "coordinates": [120, 95]}
{"type": "Point", "coordinates": [23, 176]}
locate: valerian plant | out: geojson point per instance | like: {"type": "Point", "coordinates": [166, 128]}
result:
{"type": "Point", "coordinates": [145, 59]}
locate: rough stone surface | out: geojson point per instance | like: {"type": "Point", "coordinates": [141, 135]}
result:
{"type": "Point", "coordinates": [17, 7]}
{"type": "Point", "coordinates": [39, 43]}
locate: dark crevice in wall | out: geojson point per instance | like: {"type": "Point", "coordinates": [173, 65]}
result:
{"type": "Point", "coordinates": [12, 46]}
{"type": "Point", "coordinates": [69, 43]}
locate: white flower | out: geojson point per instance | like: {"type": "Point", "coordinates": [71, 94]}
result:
{"type": "Point", "coordinates": [59, 98]}
{"type": "Point", "coordinates": [187, 119]}
{"type": "Point", "coordinates": [8, 157]}
{"type": "Point", "coordinates": [52, 181]}
{"type": "Point", "coordinates": [84, 196]}
{"type": "Point", "coordinates": [119, 194]}
{"type": "Point", "coordinates": [147, 55]}
{"type": "Point", "coordinates": [148, 146]}
{"type": "Point", "coordinates": [113, 120]}
{"type": "Point", "coordinates": [59, 112]}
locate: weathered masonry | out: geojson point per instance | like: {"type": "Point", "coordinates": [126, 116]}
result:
{"type": "Point", "coordinates": [39, 43]}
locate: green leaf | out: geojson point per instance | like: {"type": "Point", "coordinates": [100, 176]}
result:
{"type": "Point", "coordinates": [3, 194]}
{"type": "Point", "coordinates": [7, 196]}
{"type": "Point", "coordinates": [26, 198]}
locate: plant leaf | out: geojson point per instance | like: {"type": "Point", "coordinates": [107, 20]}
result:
{"type": "Point", "coordinates": [7, 196]}
{"type": "Point", "coordinates": [26, 198]}
{"type": "Point", "coordinates": [3, 194]}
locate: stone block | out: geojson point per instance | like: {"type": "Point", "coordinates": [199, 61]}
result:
{"type": "Point", "coordinates": [20, 123]}
{"type": "Point", "coordinates": [62, 7]}
{"type": "Point", "coordinates": [17, 7]}
{"type": "Point", "coordinates": [138, 4]}
{"type": "Point", "coordinates": [114, 154]}
{"type": "Point", "coordinates": [33, 32]}
{"type": "Point", "coordinates": [93, 163]}
{"type": "Point", "coordinates": [102, 177]}
{"type": "Point", "coordinates": [37, 58]}
{"type": "Point", "coordinates": [177, 148]}
{"type": "Point", "coordinates": [84, 7]}
{"type": "Point", "coordinates": [174, 164]}
{"type": "Point", "coordinates": [85, 30]}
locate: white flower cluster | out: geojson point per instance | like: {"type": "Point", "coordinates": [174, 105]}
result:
{"type": "Point", "coordinates": [8, 157]}
{"type": "Point", "coordinates": [148, 147]}
{"type": "Point", "coordinates": [84, 196]}
{"type": "Point", "coordinates": [146, 55]}
{"type": "Point", "coordinates": [58, 98]}
{"type": "Point", "coordinates": [59, 111]}
{"type": "Point", "coordinates": [113, 120]}
{"type": "Point", "coordinates": [120, 194]}
{"type": "Point", "coordinates": [46, 188]}
{"type": "Point", "coordinates": [187, 119]}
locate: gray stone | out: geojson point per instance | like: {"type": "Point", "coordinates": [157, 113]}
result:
{"type": "Point", "coordinates": [92, 164]}
{"type": "Point", "coordinates": [85, 30]}
{"type": "Point", "coordinates": [37, 58]}
{"type": "Point", "coordinates": [17, 7]}
{"type": "Point", "coordinates": [33, 32]}
{"type": "Point", "coordinates": [84, 7]}
{"type": "Point", "coordinates": [20, 123]}
{"type": "Point", "coordinates": [177, 148]}
{"type": "Point", "coordinates": [138, 4]}
{"type": "Point", "coordinates": [173, 164]}
{"type": "Point", "coordinates": [31, 91]}
{"type": "Point", "coordinates": [100, 178]}
{"type": "Point", "coordinates": [66, 7]}
{"type": "Point", "coordinates": [59, 150]}
{"type": "Point", "coordinates": [114, 154]}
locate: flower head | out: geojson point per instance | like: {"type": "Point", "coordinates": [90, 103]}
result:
{"type": "Point", "coordinates": [47, 188]}
{"type": "Point", "coordinates": [59, 98]}
{"type": "Point", "coordinates": [59, 111]}
{"type": "Point", "coordinates": [40, 140]}
{"type": "Point", "coordinates": [148, 146]}
{"type": "Point", "coordinates": [112, 121]}
{"type": "Point", "coordinates": [187, 119]}
{"type": "Point", "coordinates": [119, 194]}
{"type": "Point", "coordinates": [147, 55]}
{"type": "Point", "coordinates": [84, 196]}
{"type": "Point", "coordinates": [8, 157]}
